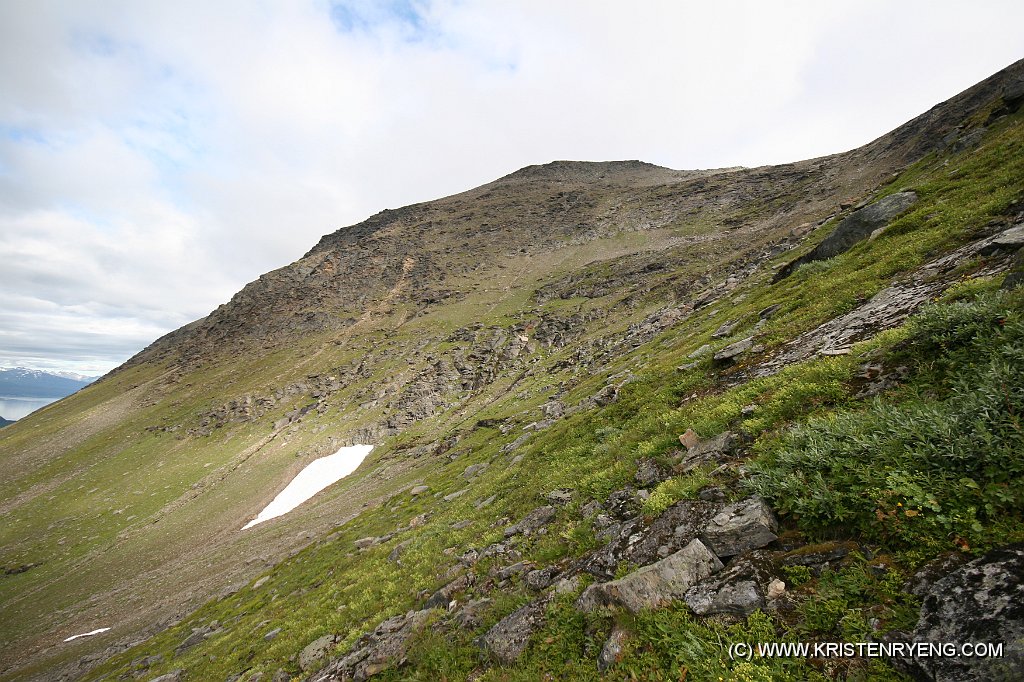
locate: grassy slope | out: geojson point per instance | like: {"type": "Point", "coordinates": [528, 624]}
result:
{"type": "Point", "coordinates": [330, 587]}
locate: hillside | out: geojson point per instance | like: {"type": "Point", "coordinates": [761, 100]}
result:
{"type": "Point", "coordinates": [568, 375]}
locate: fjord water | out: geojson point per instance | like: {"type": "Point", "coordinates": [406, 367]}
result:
{"type": "Point", "coordinates": [19, 408]}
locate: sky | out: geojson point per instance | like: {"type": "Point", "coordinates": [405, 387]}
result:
{"type": "Point", "coordinates": [157, 156]}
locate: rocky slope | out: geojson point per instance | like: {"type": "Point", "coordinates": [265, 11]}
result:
{"type": "Point", "coordinates": [570, 375]}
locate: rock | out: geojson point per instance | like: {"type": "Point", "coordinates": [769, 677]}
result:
{"type": "Point", "coordinates": [532, 522]}
{"type": "Point", "coordinates": [471, 615]}
{"type": "Point", "coordinates": [707, 451]}
{"type": "Point", "coordinates": [456, 495]}
{"type": "Point", "coordinates": [173, 676]}
{"type": "Point", "coordinates": [606, 396]}
{"type": "Point", "coordinates": [738, 590]}
{"type": "Point", "coordinates": [655, 585]}
{"type": "Point", "coordinates": [561, 496]}
{"type": "Point", "coordinates": [487, 502]}
{"type": "Point", "coordinates": [648, 473]}
{"type": "Point", "coordinates": [261, 582]}
{"type": "Point", "coordinates": [373, 653]}
{"type": "Point", "coordinates": [1012, 281]}
{"type": "Point", "coordinates": [689, 439]}
{"type": "Point", "coordinates": [614, 647]}
{"type": "Point", "coordinates": [507, 640]}
{"type": "Point", "coordinates": [769, 312]}
{"type": "Point", "coordinates": [195, 637]}
{"type": "Point", "coordinates": [541, 578]}
{"type": "Point", "coordinates": [444, 596]}
{"type": "Point", "coordinates": [567, 585]}
{"type": "Point", "coordinates": [712, 494]}
{"type": "Point", "coordinates": [854, 228]}
{"type": "Point", "coordinates": [701, 352]}
{"type": "Point", "coordinates": [464, 523]}
{"type": "Point", "coordinates": [363, 543]}
{"type": "Point", "coordinates": [316, 651]}
{"type": "Point", "coordinates": [622, 504]}
{"type": "Point", "coordinates": [820, 556]}
{"type": "Point", "coordinates": [776, 588]}
{"type": "Point", "coordinates": [553, 409]}
{"type": "Point", "coordinates": [740, 527]}
{"type": "Point", "coordinates": [734, 350]}
{"type": "Point", "coordinates": [725, 330]}
{"type": "Point", "coordinates": [474, 469]}
{"type": "Point", "coordinates": [280, 676]}
{"type": "Point", "coordinates": [419, 490]}
{"type": "Point", "coordinates": [1008, 240]}
{"type": "Point", "coordinates": [272, 634]}
{"type": "Point", "coordinates": [980, 602]}
{"type": "Point", "coordinates": [509, 571]}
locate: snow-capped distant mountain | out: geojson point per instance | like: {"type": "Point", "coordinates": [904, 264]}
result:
{"type": "Point", "coordinates": [19, 382]}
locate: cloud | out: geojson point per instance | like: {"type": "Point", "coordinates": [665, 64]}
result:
{"type": "Point", "coordinates": [154, 157]}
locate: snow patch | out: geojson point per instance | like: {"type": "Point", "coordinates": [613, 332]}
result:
{"type": "Point", "coordinates": [86, 634]}
{"type": "Point", "coordinates": [317, 475]}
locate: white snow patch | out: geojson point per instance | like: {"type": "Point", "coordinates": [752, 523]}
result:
{"type": "Point", "coordinates": [86, 634]}
{"type": "Point", "coordinates": [317, 475]}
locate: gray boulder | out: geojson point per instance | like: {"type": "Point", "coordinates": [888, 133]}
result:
{"type": "Point", "coordinates": [1008, 240]}
{"type": "Point", "coordinates": [173, 676]}
{"type": "Point", "coordinates": [734, 350]}
{"type": "Point", "coordinates": [613, 649]}
{"type": "Point", "coordinates": [532, 522]}
{"type": "Point", "coordinates": [855, 228]}
{"type": "Point", "coordinates": [373, 653]}
{"type": "Point", "coordinates": [980, 602]}
{"type": "Point", "coordinates": [710, 450]}
{"type": "Point", "coordinates": [507, 640]}
{"type": "Point", "coordinates": [316, 651]}
{"type": "Point", "coordinates": [656, 585]}
{"type": "Point", "coordinates": [740, 527]}
{"type": "Point", "coordinates": [738, 590]}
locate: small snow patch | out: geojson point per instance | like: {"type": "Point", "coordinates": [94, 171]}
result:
{"type": "Point", "coordinates": [86, 634]}
{"type": "Point", "coordinates": [315, 477]}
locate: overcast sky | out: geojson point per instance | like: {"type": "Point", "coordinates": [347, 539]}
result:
{"type": "Point", "coordinates": [156, 156]}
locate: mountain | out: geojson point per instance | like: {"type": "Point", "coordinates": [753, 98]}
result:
{"type": "Point", "coordinates": [5, 422]}
{"type": "Point", "coordinates": [18, 382]}
{"type": "Point", "coordinates": [785, 388]}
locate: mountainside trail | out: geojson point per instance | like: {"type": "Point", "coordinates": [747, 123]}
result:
{"type": "Point", "coordinates": [623, 416]}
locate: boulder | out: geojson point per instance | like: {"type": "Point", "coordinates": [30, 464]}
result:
{"type": "Point", "coordinates": [419, 490]}
{"type": "Point", "coordinates": [740, 527]}
{"type": "Point", "coordinates": [980, 602]}
{"type": "Point", "coordinates": [532, 522]}
{"type": "Point", "coordinates": [854, 228]}
{"type": "Point", "coordinates": [613, 649]}
{"type": "Point", "coordinates": [739, 590]}
{"type": "Point", "coordinates": [444, 596]}
{"type": "Point", "coordinates": [471, 615]}
{"type": "Point", "coordinates": [1008, 240]}
{"type": "Point", "coordinates": [710, 450]}
{"type": "Point", "coordinates": [655, 585]}
{"type": "Point", "coordinates": [561, 496]}
{"type": "Point", "coordinates": [689, 439]}
{"type": "Point", "coordinates": [541, 578]}
{"type": "Point", "coordinates": [648, 473]}
{"type": "Point", "coordinates": [734, 350]}
{"type": "Point", "coordinates": [474, 469]}
{"type": "Point", "coordinates": [173, 676]}
{"type": "Point", "coordinates": [316, 651]}
{"type": "Point", "coordinates": [507, 640]}
{"type": "Point", "coordinates": [373, 653]}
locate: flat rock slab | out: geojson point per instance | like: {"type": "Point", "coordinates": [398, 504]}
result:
{"type": "Point", "coordinates": [734, 350]}
{"type": "Point", "coordinates": [535, 520]}
{"type": "Point", "coordinates": [740, 527]}
{"type": "Point", "coordinates": [656, 585]}
{"type": "Point", "coordinates": [738, 590]}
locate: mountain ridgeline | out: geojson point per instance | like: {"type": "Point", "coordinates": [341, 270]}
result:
{"type": "Point", "coordinates": [623, 416]}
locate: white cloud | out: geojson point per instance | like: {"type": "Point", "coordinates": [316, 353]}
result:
{"type": "Point", "coordinates": [155, 156]}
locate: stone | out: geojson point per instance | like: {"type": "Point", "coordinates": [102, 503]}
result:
{"type": "Point", "coordinates": [377, 651]}
{"type": "Point", "coordinates": [363, 543]}
{"type": "Point", "coordinates": [701, 352]}
{"type": "Point", "coordinates": [474, 470]}
{"type": "Point", "coordinates": [648, 473]}
{"type": "Point", "coordinates": [471, 615]}
{"type": "Point", "coordinates": [606, 396]}
{"type": "Point", "coordinates": [740, 527]}
{"type": "Point", "coordinates": [316, 651]}
{"type": "Point", "coordinates": [655, 585]}
{"type": "Point", "coordinates": [419, 490]}
{"type": "Point", "coordinates": [689, 439]}
{"type": "Point", "coordinates": [738, 590]}
{"type": "Point", "coordinates": [709, 451]}
{"type": "Point", "coordinates": [734, 350]}
{"type": "Point", "coordinates": [532, 522]}
{"type": "Point", "coordinates": [818, 557]}
{"type": "Point", "coordinates": [508, 571]}
{"type": "Point", "coordinates": [982, 601]}
{"type": "Point", "coordinates": [1008, 240]}
{"type": "Point", "coordinates": [280, 676]}
{"type": "Point", "coordinates": [725, 330]}
{"type": "Point", "coordinates": [776, 588]}
{"type": "Point", "coordinates": [613, 649]}
{"type": "Point", "coordinates": [444, 596]}
{"type": "Point", "coordinates": [561, 496]}
{"type": "Point", "coordinates": [261, 582]}
{"type": "Point", "coordinates": [456, 495]}
{"type": "Point", "coordinates": [541, 578]}
{"type": "Point", "coordinates": [769, 312]}
{"type": "Point", "coordinates": [507, 640]}
{"type": "Point", "coordinates": [173, 676]}
{"type": "Point", "coordinates": [272, 634]}
{"type": "Point", "coordinates": [855, 228]}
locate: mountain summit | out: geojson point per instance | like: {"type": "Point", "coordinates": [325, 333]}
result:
{"type": "Point", "coordinates": [621, 414]}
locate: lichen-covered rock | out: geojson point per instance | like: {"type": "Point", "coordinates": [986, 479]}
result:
{"type": "Point", "coordinates": [980, 602]}
{"type": "Point", "coordinates": [740, 527]}
{"type": "Point", "coordinates": [648, 473]}
{"type": "Point", "coordinates": [655, 585]}
{"type": "Point", "coordinates": [734, 350]}
{"type": "Point", "coordinates": [738, 590]}
{"type": "Point", "coordinates": [380, 650]}
{"type": "Point", "coordinates": [532, 522]}
{"type": "Point", "coordinates": [507, 640]}
{"type": "Point", "coordinates": [614, 647]}
{"type": "Point", "coordinates": [710, 450]}
{"type": "Point", "coordinates": [316, 651]}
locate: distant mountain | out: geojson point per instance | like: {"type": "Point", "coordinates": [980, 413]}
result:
{"type": "Point", "coordinates": [18, 382]}
{"type": "Point", "coordinates": [5, 422]}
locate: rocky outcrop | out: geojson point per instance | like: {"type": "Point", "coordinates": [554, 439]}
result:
{"type": "Point", "coordinates": [655, 585]}
{"type": "Point", "coordinates": [856, 227]}
{"type": "Point", "coordinates": [532, 522]}
{"type": "Point", "coordinates": [980, 602]}
{"type": "Point", "coordinates": [740, 527]}
{"type": "Point", "coordinates": [377, 651]}
{"type": "Point", "coordinates": [739, 590]}
{"type": "Point", "coordinates": [507, 640]}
